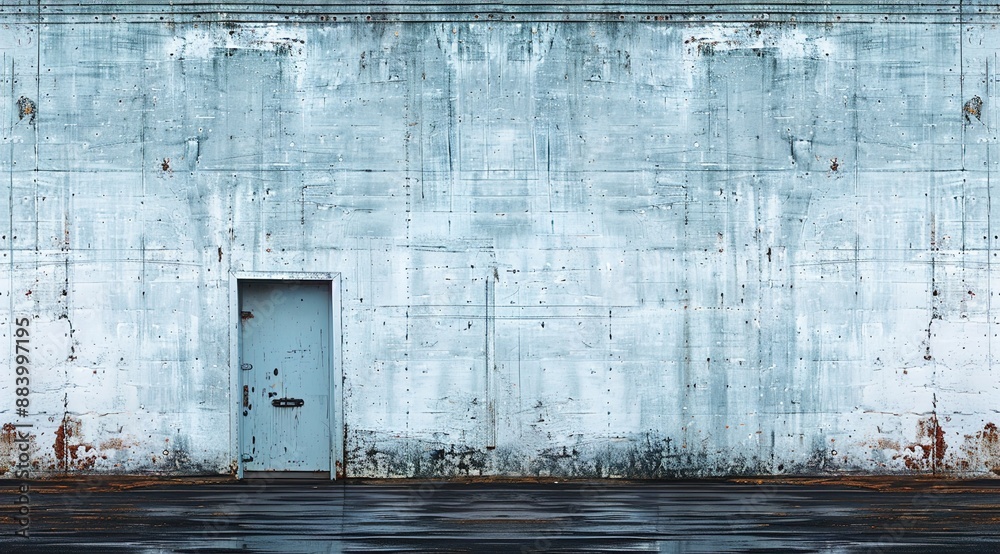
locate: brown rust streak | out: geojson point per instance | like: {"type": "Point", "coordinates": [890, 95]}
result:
{"type": "Point", "coordinates": [928, 451]}
{"type": "Point", "coordinates": [69, 454]}
{"type": "Point", "coordinates": [60, 446]}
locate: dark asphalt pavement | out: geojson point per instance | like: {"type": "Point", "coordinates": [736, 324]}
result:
{"type": "Point", "coordinates": [213, 515]}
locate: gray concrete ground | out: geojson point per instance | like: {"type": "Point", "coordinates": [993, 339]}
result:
{"type": "Point", "coordinates": [216, 515]}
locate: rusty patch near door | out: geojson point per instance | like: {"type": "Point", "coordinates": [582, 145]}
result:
{"type": "Point", "coordinates": [246, 315]}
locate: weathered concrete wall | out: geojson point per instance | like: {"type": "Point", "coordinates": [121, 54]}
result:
{"type": "Point", "coordinates": [584, 242]}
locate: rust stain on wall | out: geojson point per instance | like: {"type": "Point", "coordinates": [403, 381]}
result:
{"type": "Point", "coordinates": [7, 447]}
{"type": "Point", "coordinates": [60, 446]}
{"type": "Point", "coordinates": [883, 443]}
{"type": "Point", "coordinates": [983, 450]}
{"type": "Point", "coordinates": [113, 444]}
{"type": "Point", "coordinates": [927, 453]}
{"type": "Point", "coordinates": [67, 450]}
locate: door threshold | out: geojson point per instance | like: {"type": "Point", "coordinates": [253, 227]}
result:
{"type": "Point", "coordinates": [287, 475]}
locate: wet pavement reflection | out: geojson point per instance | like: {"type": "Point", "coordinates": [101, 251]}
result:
{"type": "Point", "coordinates": [214, 515]}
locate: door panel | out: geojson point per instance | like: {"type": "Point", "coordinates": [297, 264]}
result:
{"type": "Point", "coordinates": [285, 358]}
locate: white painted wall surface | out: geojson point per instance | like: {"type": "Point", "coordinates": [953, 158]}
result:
{"type": "Point", "coordinates": [574, 244]}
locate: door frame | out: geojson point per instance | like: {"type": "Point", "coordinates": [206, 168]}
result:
{"type": "Point", "coordinates": [336, 405]}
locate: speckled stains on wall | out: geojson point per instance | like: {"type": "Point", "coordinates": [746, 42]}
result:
{"type": "Point", "coordinates": [573, 241]}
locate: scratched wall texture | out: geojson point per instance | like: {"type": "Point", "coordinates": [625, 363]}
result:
{"type": "Point", "coordinates": [625, 241]}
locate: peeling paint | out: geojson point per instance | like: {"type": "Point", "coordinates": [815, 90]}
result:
{"type": "Point", "coordinates": [26, 107]}
{"type": "Point", "coordinates": [206, 42]}
{"type": "Point", "coordinates": [8, 449]}
{"type": "Point", "coordinates": [982, 450]}
{"type": "Point", "coordinates": [973, 107]}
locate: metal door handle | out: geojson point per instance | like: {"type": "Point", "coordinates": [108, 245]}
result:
{"type": "Point", "coordinates": [287, 402]}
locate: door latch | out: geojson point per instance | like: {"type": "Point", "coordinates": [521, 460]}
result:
{"type": "Point", "coordinates": [287, 402]}
{"type": "Point", "coordinates": [246, 367]}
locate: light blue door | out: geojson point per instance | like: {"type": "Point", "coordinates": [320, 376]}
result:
{"type": "Point", "coordinates": [285, 367]}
